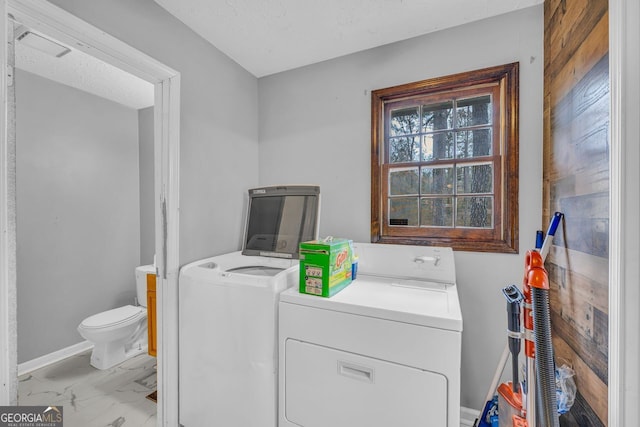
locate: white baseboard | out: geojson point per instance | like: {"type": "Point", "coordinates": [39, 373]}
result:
{"type": "Point", "coordinates": [468, 416]}
{"type": "Point", "coordinates": [56, 356]}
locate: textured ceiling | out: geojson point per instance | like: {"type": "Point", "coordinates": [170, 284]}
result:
{"type": "Point", "coordinates": [85, 72]}
{"type": "Point", "coordinates": [269, 36]}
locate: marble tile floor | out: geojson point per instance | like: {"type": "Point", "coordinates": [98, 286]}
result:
{"type": "Point", "coordinates": [90, 397]}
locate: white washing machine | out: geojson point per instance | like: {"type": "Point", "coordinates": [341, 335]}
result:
{"type": "Point", "coordinates": [228, 314]}
{"type": "Point", "coordinates": [385, 351]}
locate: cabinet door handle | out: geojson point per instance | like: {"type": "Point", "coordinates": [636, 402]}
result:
{"type": "Point", "coordinates": [356, 372]}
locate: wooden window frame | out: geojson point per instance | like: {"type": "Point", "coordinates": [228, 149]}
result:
{"type": "Point", "coordinates": [503, 237]}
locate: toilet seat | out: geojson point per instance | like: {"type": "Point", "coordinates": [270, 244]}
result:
{"type": "Point", "coordinates": [115, 317]}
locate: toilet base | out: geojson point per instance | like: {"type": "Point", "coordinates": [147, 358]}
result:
{"type": "Point", "coordinates": [105, 356]}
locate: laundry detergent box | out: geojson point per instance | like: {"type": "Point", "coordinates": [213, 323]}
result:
{"type": "Point", "coordinates": [325, 266]}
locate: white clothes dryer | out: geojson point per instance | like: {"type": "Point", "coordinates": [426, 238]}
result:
{"type": "Point", "coordinates": [228, 314]}
{"type": "Point", "coordinates": [384, 351]}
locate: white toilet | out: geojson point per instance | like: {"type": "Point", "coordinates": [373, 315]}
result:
{"type": "Point", "coordinates": [120, 333]}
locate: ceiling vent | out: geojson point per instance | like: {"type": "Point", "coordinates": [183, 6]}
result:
{"type": "Point", "coordinates": [41, 43]}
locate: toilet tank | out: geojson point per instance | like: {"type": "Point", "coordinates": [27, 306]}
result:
{"type": "Point", "coordinates": [141, 282]}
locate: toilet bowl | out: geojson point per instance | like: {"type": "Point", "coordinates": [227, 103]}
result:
{"type": "Point", "coordinates": [120, 333]}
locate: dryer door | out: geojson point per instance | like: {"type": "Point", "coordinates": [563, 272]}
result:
{"type": "Point", "coordinates": [328, 387]}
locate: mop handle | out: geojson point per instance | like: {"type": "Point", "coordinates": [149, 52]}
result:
{"type": "Point", "coordinates": [539, 239]}
{"type": "Point", "coordinates": [553, 227]}
{"type": "Point", "coordinates": [498, 374]}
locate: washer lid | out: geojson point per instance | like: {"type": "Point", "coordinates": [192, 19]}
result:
{"type": "Point", "coordinates": [112, 317]}
{"type": "Point", "coordinates": [279, 218]}
{"type": "Point", "coordinates": [421, 303]}
{"type": "Point", "coordinates": [257, 270]}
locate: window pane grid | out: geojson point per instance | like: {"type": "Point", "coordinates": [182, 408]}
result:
{"type": "Point", "coordinates": [457, 128]}
{"type": "Point", "coordinates": [446, 187]}
{"type": "Point", "coordinates": [474, 212]}
{"type": "Point", "coordinates": [454, 195]}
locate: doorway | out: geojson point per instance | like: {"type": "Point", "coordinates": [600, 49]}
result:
{"type": "Point", "coordinates": [71, 31]}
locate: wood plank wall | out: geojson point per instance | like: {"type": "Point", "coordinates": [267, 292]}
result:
{"type": "Point", "coordinates": [576, 182]}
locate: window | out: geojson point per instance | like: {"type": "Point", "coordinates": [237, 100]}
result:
{"type": "Point", "coordinates": [444, 163]}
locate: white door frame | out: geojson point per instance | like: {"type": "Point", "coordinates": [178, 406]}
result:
{"type": "Point", "coordinates": [624, 234]}
{"type": "Point", "coordinates": [68, 29]}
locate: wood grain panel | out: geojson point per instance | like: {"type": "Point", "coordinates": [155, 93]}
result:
{"type": "Point", "coordinates": [584, 348]}
{"type": "Point", "coordinates": [577, 313]}
{"type": "Point", "coordinates": [581, 415]}
{"type": "Point", "coordinates": [601, 332]}
{"type": "Point", "coordinates": [596, 180]}
{"type": "Point", "coordinates": [576, 182]}
{"type": "Point", "coordinates": [579, 124]}
{"type": "Point", "coordinates": [586, 380]}
{"type": "Point", "coordinates": [568, 28]}
{"type": "Point", "coordinates": [597, 269]}
{"type": "Point", "coordinates": [586, 56]}
{"type": "Point", "coordinates": [584, 288]}
{"type": "Point", "coordinates": [582, 325]}
{"type": "Point", "coordinates": [588, 231]}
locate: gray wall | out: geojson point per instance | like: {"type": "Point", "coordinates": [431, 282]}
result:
{"type": "Point", "coordinates": [147, 207]}
{"type": "Point", "coordinates": [78, 218]}
{"type": "Point", "coordinates": [326, 107]}
{"type": "Point", "coordinates": [315, 128]}
{"type": "Point", "coordinates": [219, 113]}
